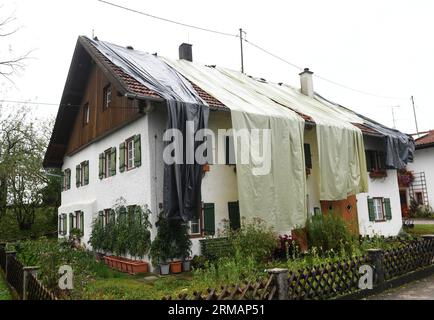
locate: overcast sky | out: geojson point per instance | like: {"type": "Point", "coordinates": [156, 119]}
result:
{"type": "Point", "coordinates": [381, 47]}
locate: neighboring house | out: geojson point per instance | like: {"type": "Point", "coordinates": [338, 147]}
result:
{"type": "Point", "coordinates": [108, 141]}
{"type": "Point", "coordinates": [421, 189]}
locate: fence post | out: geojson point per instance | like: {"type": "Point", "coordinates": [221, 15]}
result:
{"type": "Point", "coordinates": [8, 255]}
{"type": "Point", "coordinates": [281, 282]}
{"type": "Point", "coordinates": [376, 257]}
{"type": "Point", "coordinates": [26, 272]}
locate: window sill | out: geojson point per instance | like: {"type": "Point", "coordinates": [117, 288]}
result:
{"type": "Point", "coordinates": [196, 236]}
{"type": "Point", "coordinates": [380, 221]}
{"type": "Point", "coordinates": [378, 174]}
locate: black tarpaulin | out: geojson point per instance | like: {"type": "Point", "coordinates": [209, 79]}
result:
{"type": "Point", "coordinates": [182, 182]}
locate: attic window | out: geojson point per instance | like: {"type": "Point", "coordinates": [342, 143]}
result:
{"type": "Point", "coordinates": [107, 97]}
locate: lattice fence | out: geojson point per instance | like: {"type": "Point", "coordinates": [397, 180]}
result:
{"type": "Point", "coordinates": [415, 255]}
{"type": "Point", "coordinates": [264, 289]}
{"type": "Point", "coordinates": [36, 291]}
{"type": "Point", "coordinates": [326, 281]}
{"type": "Point", "coordinates": [2, 257]}
{"type": "Point", "coordinates": [15, 274]}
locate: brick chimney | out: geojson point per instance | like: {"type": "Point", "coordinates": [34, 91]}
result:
{"type": "Point", "coordinates": [306, 82]}
{"type": "Point", "coordinates": [186, 52]}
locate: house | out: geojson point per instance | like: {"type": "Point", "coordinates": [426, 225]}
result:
{"type": "Point", "coordinates": [421, 189]}
{"type": "Point", "coordinates": [108, 141]}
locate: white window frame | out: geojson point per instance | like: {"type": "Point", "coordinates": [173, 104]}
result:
{"type": "Point", "coordinates": [66, 179]}
{"type": "Point", "coordinates": [107, 96]}
{"type": "Point", "coordinates": [380, 212]}
{"type": "Point", "coordinates": [129, 158]}
{"type": "Point", "coordinates": [196, 222]}
{"type": "Point", "coordinates": [107, 163]}
{"type": "Point", "coordinates": [86, 115]}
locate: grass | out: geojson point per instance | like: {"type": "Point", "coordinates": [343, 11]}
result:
{"type": "Point", "coordinates": [4, 290]}
{"type": "Point", "coordinates": [138, 287]}
{"type": "Point", "coordinates": [45, 223]}
{"type": "Point", "coordinates": [421, 229]}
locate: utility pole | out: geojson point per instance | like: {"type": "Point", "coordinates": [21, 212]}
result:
{"type": "Point", "coordinates": [242, 54]}
{"type": "Point", "coordinates": [414, 112]}
{"type": "Point", "coordinates": [393, 116]}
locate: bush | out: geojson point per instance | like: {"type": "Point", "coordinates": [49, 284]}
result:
{"type": "Point", "coordinates": [129, 233]}
{"type": "Point", "coordinates": [329, 232]}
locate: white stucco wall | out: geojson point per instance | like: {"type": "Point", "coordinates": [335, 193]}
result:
{"type": "Point", "coordinates": [312, 180]}
{"type": "Point", "coordinates": [133, 186]}
{"type": "Point", "coordinates": [383, 188]}
{"type": "Point", "coordinates": [424, 162]}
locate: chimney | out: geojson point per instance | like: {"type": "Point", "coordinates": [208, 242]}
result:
{"type": "Point", "coordinates": [185, 52]}
{"type": "Point", "coordinates": [306, 82]}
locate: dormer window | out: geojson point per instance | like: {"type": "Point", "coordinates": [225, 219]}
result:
{"type": "Point", "coordinates": [107, 97]}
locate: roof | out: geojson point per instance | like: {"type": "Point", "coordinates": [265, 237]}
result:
{"type": "Point", "coordinates": [425, 141]}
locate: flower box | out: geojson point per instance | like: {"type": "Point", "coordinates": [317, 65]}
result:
{"type": "Point", "coordinates": [126, 265]}
{"type": "Point", "coordinates": [378, 174]}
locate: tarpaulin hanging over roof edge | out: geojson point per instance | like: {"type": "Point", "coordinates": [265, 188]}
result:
{"type": "Point", "coordinates": [278, 197]}
{"type": "Point", "coordinates": [399, 146]}
{"type": "Point", "coordinates": [182, 182]}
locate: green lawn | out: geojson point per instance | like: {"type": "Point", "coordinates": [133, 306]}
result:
{"type": "Point", "coordinates": [139, 287]}
{"type": "Point", "coordinates": [4, 291]}
{"type": "Point", "coordinates": [421, 229]}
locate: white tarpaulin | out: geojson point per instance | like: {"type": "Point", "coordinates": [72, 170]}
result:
{"type": "Point", "coordinates": [277, 197]}
{"type": "Point", "coordinates": [342, 161]}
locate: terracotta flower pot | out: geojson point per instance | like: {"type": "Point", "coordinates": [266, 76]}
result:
{"type": "Point", "coordinates": [176, 267]}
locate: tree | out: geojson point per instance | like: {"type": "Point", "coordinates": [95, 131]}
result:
{"type": "Point", "coordinates": [10, 62]}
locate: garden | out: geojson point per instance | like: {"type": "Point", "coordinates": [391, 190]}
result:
{"type": "Point", "coordinates": [242, 255]}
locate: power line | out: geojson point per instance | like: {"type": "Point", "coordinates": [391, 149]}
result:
{"type": "Point", "coordinates": [58, 104]}
{"type": "Point", "coordinates": [169, 20]}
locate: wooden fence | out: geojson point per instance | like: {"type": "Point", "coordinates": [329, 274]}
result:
{"type": "Point", "coordinates": [22, 279]}
{"type": "Point", "coordinates": [331, 280]}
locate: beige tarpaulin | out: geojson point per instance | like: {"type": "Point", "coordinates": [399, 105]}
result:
{"type": "Point", "coordinates": [342, 161]}
{"type": "Point", "coordinates": [277, 197]}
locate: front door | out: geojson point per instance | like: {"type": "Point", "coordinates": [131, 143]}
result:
{"type": "Point", "coordinates": [404, 205]}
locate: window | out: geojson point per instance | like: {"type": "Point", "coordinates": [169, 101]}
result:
{"type": "Point", "coordinates": [62, 224]}
{"type": "Point", "coordinates": [419, 197]}
{"type": "Point", "coordinates": [229, 150]}
{"type": "Point", "coordinates": [130, 153]}
{"type": "Point", "coordinates": [379, 209]}
{"type": "Point", "coordinates": [82, 174]}
{"type": "Point", "coordinates": [67, 179]}
{"type": "Point", "coordinates": [107, 163]}
{"type": "Point", "coordinates": [105, 216]}
{"type": "Point", "coordinates": [195, 226]}
{"type": "Point", "coordinates": [107, 99]}
{"type": "Point", "coordinates": [76, 221]}
{"type": "Point", "coordinates": [307, 156]}
{"type": "Point", "coordinates": [375, 160]}
{"type": "Point", "coordinates": [86, 114]}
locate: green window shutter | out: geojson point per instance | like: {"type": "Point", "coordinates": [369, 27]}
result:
{"type": "Point", "coordinates": [68, 179]}
{"type": "Point", "coordinates": [388, 209]}
{"type": "Point", "coordinates": [82, 222]}
{"type": "Point", "coordinates": [65, 223]}
{"type": "Point", "coordinates": [122, 157]}
{"type": "Point", "coordinates": [112, 217]}
{"type": "Point", "coordinates": [71, 222]}
{"type": "Point", "coordinates": [78, 176]}
{"type": "Point", "coordinates": [113, 161]}
{"type": "Point", "coordinates": [371, 209]}
{"type": "Point", "coordinates": [86, 173]}
{"type": "Point", "coordinates": [234, 215]}
{"type": "Point", "coordinates": [101, 165]}
{"type": "Point", "coordinates": [62, 180]}
{"type": "Point", "coordinates": [101, 217]}
{"type": "Point", "coordinates": [208, 219]}
{"type": "Point", "coordinates": [137, 151]}
{"type": "Point", "coordinates": [307, 156]}
{"type": "Point", "coordinates": [368, 154]}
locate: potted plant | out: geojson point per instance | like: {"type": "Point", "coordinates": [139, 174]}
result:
{"type": "Point", "coordinates": [182, 244]}
{"type": "Point", "coordinates": [161, 248]}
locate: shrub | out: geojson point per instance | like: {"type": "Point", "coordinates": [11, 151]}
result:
{"type": "Point", "coordinates": [329, 232]}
